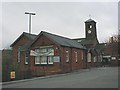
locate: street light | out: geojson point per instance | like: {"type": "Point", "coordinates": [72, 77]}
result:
{"type": "Point", "coordinates": [30, 20]}
{"type": "Point", "coordinates": [28, 51]}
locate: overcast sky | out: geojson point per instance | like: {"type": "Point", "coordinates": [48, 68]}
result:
{"type": "Point", "coordinates": [61, 18]}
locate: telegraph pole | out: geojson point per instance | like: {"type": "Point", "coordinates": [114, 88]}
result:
{"type": "Point", "coordinates": [29, 20]}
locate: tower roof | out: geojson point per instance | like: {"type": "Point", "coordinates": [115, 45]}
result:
{"type": "Point", "coordinates": [89, 20]}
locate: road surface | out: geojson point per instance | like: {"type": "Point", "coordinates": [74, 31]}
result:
{"type": "Point", "coordinates": [102, 77]}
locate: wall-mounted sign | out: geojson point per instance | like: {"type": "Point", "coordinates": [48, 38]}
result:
{"type": "Point", "coordinates": [12, 74]}
{"type": "Point", "coordinates": [48, 53]}
{"type": "Point", "coordinates": [113, 58]}
{"type": "Point", "coordinates": [56, 58]}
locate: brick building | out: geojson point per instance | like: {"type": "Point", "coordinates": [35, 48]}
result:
{"type": "Point", "coordinates": [111, 52]}
{"type": "Point", "coordinates": [45, 54]}
{"type": "Point", "coordinates": [94, 49]}
{"type": "Point", "coordinates": [6, 60]}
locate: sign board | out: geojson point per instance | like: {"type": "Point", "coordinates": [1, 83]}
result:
{"type": "Point", "coordinates": [56, 58]}
{"type": "Point", "coordinates": [12, 74]}
{"type": "Point", "coordinates": [113, 58]}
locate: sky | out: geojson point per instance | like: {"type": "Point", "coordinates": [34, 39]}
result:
{"type": "Point", "coordinates": [61, 18]}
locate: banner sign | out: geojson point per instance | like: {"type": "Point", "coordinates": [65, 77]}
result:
{"type": "Point", "coordinates": [33, 53]}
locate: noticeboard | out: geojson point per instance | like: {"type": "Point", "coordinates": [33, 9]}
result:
{"type": "Point", "coordinates": [56, 58]}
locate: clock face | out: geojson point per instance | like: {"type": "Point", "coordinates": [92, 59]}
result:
{"type": "Point", "coordinates": [89, 31]}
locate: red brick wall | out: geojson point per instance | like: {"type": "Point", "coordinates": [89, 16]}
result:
{"type": "Point", "coordinates": [57, 67]}
{"type": "Point", "coordinates": [65, 66]}
{"type": "Point", "coordinates": [71, 65]}
{"type": "Point", "coordinates": [20, 67]}
{"type": "Point", "coordinates": [39, 70]}
{"type": "Point", "coordinates": [79, 64]}
{"type": "Point", "coordinates": [21, 42]}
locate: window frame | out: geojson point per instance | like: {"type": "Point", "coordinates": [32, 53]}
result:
{"type": "Point", "coordinates": [82, 56]}
{"type": "Point", "coordinates": [89, 57]}
{"type": "Point", "coordinates": [90, 26]}
{"type": "Point", "coordinates": [45, 59]}
{"type": "Point", "coordinates": [18, 55]}
{"type": "Point", "coordinates": [26, 58]}
{"type": "Point", "coordinates": [67, 56]}
{"type": "Point", "coordinates": [76, 56]}
{"type": "Point", "coordinates": [48, 59]}
{"type": "Point", "coordinates": [36, 62]}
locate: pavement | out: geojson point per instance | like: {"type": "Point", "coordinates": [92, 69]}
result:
{"type": "Point", "coordinates": [44, 77]}
{"type": "Point", "coordinates": [100, 77]}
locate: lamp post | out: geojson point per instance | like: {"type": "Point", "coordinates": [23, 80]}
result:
{"type": "Point", "coordinates": [28, 50]}
{"type": "Point", "coordinates": [30, 20]}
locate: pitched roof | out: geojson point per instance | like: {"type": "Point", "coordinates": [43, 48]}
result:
{"type": "Point", "coordinates": [63, 41]}
{"type": "Point", "coordinates": [99, 47]}
{"type": "Point", "coordinates": [29, 36]}
{"type": "Point", "coordinates": [85, 41]}
{"type": "Point", "coordinates": [89, 20]}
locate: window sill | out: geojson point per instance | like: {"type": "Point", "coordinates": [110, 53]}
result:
{"type": "Point", "coordinates": [44, 64]}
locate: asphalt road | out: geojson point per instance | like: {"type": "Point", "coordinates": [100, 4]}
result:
{"type": "Point", "coordinates": [104, 77]}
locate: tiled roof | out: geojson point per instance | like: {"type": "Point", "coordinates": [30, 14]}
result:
{"type": "Point", "coordinates": [63, 41]}
{"type": "Point", "coordinates": [85, 41]}
{"type": "Point", "coordinates": [27, 45]}
{"type": "Point", "coordinates": [29, 36]}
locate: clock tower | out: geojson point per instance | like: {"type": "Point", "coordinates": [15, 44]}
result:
{"type": "Point", "coordinates": [90, 29]}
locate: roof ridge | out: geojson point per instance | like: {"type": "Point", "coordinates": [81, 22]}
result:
{"type": "Point", "coordinates": [56, 35]}
{"type": "Point", "coordinates": [78, 38]}
{"type": "Point", "coordinates": [29, 33]}
{"type": "Point", "coordinates": [64, 41]}
{"type": "Point", "coordinates": [90, 20]}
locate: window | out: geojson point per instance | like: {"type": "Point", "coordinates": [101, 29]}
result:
{"type": "Point", "coordinates": [89, 57]}
{"type": "Point", "coordinates": [37, 60]}
{"type": "Point", "coordinates": [67, 56]}
{"type": "Point", "coordinates": [76, 56]}
{"type": "Point", "coordinates": [18, 58]}
{"type": "Point", "coordinates": [43, 60]}
{"type": "Point", "coordinates": [45, 55]}
{"type": "Point", "coordinates": [90, 26]}
{"type": "Point", "coordinates": [50, 60]}
{"type": "Point", "coordinates": [95, 59]}
{"type": "Point", "coordinates": [82, 55]}
{"type": "Point", "coordinates": [26, 57]}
